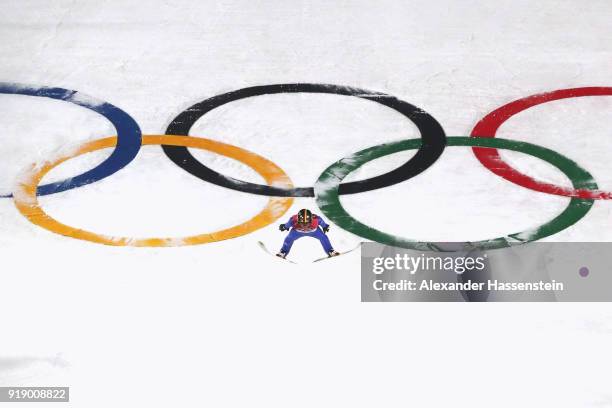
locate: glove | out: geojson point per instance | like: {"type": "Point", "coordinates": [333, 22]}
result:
{"type": "Point", "coordinates": [282, 227]}
{"type": "Point", "coordinates": [326, 229]}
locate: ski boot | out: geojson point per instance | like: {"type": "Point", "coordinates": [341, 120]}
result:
{"type": "Point", "coordinates": [333, 253]}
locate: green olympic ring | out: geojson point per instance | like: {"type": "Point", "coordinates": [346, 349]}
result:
{"type": "Point", "coordinates": [326, 192]}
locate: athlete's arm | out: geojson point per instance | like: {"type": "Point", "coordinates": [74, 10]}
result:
{"type": "Point", "coordinates": [324, 226]}
{"type": "Point", "coordinates": [286, 226]}
{"type": "Point", "coordinates": [321, 221]}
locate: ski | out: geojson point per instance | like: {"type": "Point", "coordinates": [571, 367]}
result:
{"type": "Point", "coordinates": [263, 246]}
{"type": "Point", "coordinates": [335, 256]}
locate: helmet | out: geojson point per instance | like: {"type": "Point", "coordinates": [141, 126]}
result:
{"type": "Point", "coordinates": [304, 216]}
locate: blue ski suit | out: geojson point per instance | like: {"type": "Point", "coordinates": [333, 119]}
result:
{"type": "Point", "coordinates": [314, 230]}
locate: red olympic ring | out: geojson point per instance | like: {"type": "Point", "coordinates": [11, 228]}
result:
{"type": "Point", "coordinates": [490, 158]}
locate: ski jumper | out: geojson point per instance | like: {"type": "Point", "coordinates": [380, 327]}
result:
{"type": "Point", "coordinates": [313, 229]}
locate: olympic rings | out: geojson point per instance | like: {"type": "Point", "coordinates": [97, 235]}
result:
{"type": "Point", "coordinates": [490, 158]}
{"type": "Point", "coordinates": [27, 202]}
{"type": "Point", "coordinates": [328, 200]}
{"type": "Point", "coordinates": [432, 135]}
{"type": "Point", "coordinates": [328, 187]}
{"type": "Point", "coordinates": [128, 134]}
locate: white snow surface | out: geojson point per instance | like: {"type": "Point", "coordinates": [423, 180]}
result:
{"type": "Point", "coordinates": [224, 324]}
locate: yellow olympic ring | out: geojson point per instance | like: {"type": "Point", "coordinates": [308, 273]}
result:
{"type": "Point", "coordinates": [27, 202]}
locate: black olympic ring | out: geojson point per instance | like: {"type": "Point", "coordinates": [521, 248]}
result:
{"type": "Point", "coordinates": [432, 136]}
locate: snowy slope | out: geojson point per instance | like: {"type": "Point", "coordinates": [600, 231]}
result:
{"type": "Point", "coordinates": [224, 324]}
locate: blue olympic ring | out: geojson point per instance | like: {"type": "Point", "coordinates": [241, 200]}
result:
{"type": "Point", "coordinates": [129, 136]}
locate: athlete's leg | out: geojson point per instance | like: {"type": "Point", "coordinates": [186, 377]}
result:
{"type": "Point", "coordinates": [290, 239]}
{"type": "Point", "coordinates": [323, 239]}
